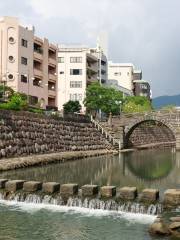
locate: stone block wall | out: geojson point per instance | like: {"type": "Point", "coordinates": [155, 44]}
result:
{"type": "Point", "coordinates": [23, 133]}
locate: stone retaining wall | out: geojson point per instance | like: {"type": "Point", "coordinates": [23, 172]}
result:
{"type": "Point", "coordinates": [171, 198]}
{"type": "Point", "coordinates": [24, 133]}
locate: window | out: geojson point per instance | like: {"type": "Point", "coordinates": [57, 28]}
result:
{"type": "Point", "coordinates": [143, 86]}
{"type": "Point", "coordinates": [24, 43]}
{"type": "Point", "coordinates": [75, 84]}
{"type": "Point", "coordinates": [117, 74]}
{"type": "Point", "coordinates": [76, 59]}
{"type": "Point", "coordinates": [75, 71]}
{"type": "Point", "coordinates": [11, 58]}
{"type": "Point", "coordinates": [61, 72]}
{"type": "Point", "coordinates": [10, 77]}
{"type": "Point", "coordinates": [60, 59]}
{"type": "Point", "coordinates": [11, 40]}
{"type": "Point", "coordinates": [76, 97]}
{"type": "Point", "coordinates": [24, 79]}
{"type": "Point", "coordinates": [128, 73]}
{"type": "Point", "coordinates": [33, 100]}
{"type": "Point", "coordinates": [23, 60]}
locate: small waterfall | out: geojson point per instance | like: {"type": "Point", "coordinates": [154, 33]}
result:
{"type": "Point", "coordinates": [110, 205]}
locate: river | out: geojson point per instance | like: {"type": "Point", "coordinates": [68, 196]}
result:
{"type": "Point", "coordinates": [26, 221]}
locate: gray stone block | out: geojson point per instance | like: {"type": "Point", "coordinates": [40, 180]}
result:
{"type": "Point", "coordinates": [89, 190]}
{"type": "Point", "coordinates": [149, 195]}
{"type": "Point", "coordinates": [128, 193]}
{"type": "Point", "coordinates": [51, 187]}
{"type": "Point", "coordinates": [32, 186]}
{"type": "Point", "coordinates": [108, 191]}
{"type": "Point", "coordinates": [14, 185]}
{"type": "Point", "coordinates": [172, 197]}
{"type": "Point", "coordinates": [69, 189]}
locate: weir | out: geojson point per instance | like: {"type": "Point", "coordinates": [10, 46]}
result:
{"type": "Point", "coordinates": [126, 199]}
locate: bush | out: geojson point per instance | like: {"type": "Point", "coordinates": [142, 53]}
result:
{"type": "Point", "coordinates": [136, 104]}
{"type": "Point", "coordinates": [72, 106]}
{"type": "Point", "coordinates": [15, 103]}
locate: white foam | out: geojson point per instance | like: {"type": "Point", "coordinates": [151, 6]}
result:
{"type": "Point", "coordinates": [31, 208]}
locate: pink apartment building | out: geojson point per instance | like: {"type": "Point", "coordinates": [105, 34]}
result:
{"type": "Point", "coordinates": [28, 64]}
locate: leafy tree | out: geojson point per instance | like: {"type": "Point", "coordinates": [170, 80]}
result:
{"type": "Point", "coordinates": [16, 102]}
{"type": "Point", "coordinates": [136, 104]}
{"type": "Point", "coordinates": [72, 106]}
{"type": "Point", "coordinates": [7, 91]}
{"type": "Point", "coordinates": [104, 98]}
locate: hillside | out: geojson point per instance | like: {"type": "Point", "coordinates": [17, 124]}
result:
{"type": "Point", "coordinates": [161, 101]}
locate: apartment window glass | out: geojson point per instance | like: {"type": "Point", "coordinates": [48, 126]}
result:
{"type": "Point", "coordinates": [23, 60]}
{"type": "Point", "coordinates": [60, 59]}
{"type": "Point", "coordinates": [76, 59]}
{"type": "Point", "coordinates": [24, 43]}
{"type": "Point", "coordinates": [76, 97]}
{"type": "Point", "coordinates": [143, 86]}
{"type": "Point", "coordinates": [33, 100]}
{"type": "Point", "coordinates": [75, 71]}
{"type": "Point", "coordinates": [61, 72]}
{"type": "Point", "coordinates": [24, 79]}
{"type": "Point", "coordinates": [75, 84]}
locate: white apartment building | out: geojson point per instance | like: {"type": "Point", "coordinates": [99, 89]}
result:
{"type": "Point", "coordinates": [79, 66]}
{"type": "Point", "coordinates": [122, 75]}
{"type": "Point", "coordinates": [28, 64]}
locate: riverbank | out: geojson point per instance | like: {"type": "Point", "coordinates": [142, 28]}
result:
{"type": "Point", "coordinates": [43, 159]}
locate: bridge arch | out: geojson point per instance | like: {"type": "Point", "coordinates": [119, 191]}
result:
{"type": "Point", "coordinates": [149, 131]}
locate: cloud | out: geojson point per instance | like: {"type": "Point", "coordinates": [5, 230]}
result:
{"type": "Point", "coordinates": [145, 32]}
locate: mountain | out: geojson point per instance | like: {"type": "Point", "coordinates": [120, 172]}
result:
{"type": "Point", "coordinates": [161, 101]}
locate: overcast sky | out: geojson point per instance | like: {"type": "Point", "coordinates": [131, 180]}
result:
{"type": "Point", "coordinates": [144, 32]}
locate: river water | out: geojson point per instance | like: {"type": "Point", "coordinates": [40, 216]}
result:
{"type": "Point", "coordinates": [27, 221]}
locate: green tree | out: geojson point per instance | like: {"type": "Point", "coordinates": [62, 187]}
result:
{"type": "Point", "coordinates": [6, 92]}
{"type": "Point", "coordinates": [134, 104]}
{"type": "Point", "coordinates": [72, 106]}
{"type": "Point", "coordinates": [16, 102]}
{"type": "Point", "coordinates": [104, 98]}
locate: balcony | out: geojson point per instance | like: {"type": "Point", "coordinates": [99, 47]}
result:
{"type": "Point", "coordinates": [51, 93]}
{"type": "Point", "coordinates": [52, 77]}
{"type": "Point", "coordinates": [52, 62]}
{"type": "Point", "coordinates": [38, 73]}
{"type": "Point", "coordinates": [38, 56]}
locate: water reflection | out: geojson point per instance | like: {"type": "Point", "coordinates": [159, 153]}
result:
{"type": "Point", "coordinates": [152, 168]}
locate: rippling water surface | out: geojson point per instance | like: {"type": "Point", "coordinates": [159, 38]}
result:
{"type": "Point", "coordinates": [43, 222]}
{"type": "Point", "coordinates": [153, 168]}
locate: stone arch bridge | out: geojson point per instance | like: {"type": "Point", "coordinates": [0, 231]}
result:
{"type": "Point", "coordinates": [146, 129]}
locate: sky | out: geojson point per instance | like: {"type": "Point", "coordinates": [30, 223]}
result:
{"type": "Point", "coordinates": [143, 32]}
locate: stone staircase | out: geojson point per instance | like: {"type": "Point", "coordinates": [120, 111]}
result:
{"type": "Point", "coordinates": [110, 133]}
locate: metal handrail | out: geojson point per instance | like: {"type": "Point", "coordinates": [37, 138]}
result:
{"type": "Point", "coordinates": [111, 138]}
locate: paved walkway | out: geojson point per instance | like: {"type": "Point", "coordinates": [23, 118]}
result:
{"type": "Point", "coordinates": [22, 162]}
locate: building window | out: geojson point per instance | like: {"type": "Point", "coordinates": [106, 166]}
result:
{"type": "Point", "coordinates": [33, 100]}
{"type": "Point", "coordinates": [10, 77]}
{"type": "Point", "coordinates": [11, 58]}
{"type": "Point", "coordinates": [24, 43]}
{"type": "Point", "coordinates": [76, 97]}
{"type": "Point", "coordinates": [60, 59]}
{"type": "Point", "coordinates": [117, 74]}
{"type": "Point", "coordinates": [143, 86]}
{"type": "Point", "coordinates": [11, 40]}
{"type": "Point", "coordinates": [24, 79]}
{"type": "Point", "coordinates": [23, 60]}
{"type": "Point", "coordinates": [61, 72]}
{"type": "Point", "coordinates": [76, 59]}
{"type": "Point", "coordinates": [75, 84]}
{"type": "Point", "coordinates": [75, 71]}
{"type": "Point", "coordinates": [128, 73]}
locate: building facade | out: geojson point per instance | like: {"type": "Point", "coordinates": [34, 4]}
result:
{"type": "Point", "coordinates": [79, 66]}
{"type": "Point", "coordinates": [28, 64]}
{"type": "Point", "coordinates": [125, 78]}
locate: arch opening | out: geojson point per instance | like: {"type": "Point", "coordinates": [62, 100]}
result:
{"type": "Point", "coordinates": [150, 133]}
